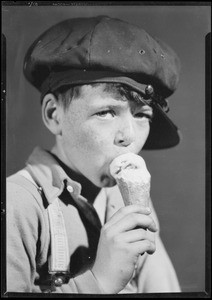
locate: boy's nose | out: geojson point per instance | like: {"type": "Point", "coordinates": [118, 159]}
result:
{"type": "Point", "coordinates": [125, 135]}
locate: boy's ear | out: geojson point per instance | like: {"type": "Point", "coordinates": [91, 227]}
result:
{"type": "Point", "coordinates": [51, 113]}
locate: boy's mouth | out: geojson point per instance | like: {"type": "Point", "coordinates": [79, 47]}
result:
{"type": "Point", "coordinates": [107, 181]}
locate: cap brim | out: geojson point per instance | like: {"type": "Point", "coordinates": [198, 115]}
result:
{"type": "Point", "coordinates": [163, 132]}
{"type": "Point", "coordinates": [80, 77]}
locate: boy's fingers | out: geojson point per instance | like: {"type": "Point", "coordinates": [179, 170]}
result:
{"type": "Point", "coordinates": [134, 208]}
{"type": "Point", "coordinates": [136, 235]}
{"type": "Point", "coordinates": [143, 246]}
{"type": "Point", "coordinates": [133, 220]}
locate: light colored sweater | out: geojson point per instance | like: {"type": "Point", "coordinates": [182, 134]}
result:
{"type": "Point", "coordinates": [28, 234]}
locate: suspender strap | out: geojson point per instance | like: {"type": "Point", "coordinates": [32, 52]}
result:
{"type": "Point", "coordinates": [59, 260]}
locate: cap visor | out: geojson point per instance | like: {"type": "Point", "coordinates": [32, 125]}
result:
{"type": "Point", "coordinates": [163, 132]}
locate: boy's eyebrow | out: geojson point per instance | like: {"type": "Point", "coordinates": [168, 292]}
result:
{"type": "Point", "coordinates": [112, 106]}
{"type": "Point", "coordinates": [120, 104]}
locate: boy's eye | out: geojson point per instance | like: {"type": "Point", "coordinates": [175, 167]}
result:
{"type": "Point", "coordinates": [106, 114]}
{"type": "Point", "coordinates": [142, 112]}
{"type": "Point", "coordinates": [141, 115]}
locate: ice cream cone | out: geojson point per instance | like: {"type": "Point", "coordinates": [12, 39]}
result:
{"type": "Point", "coordinates": [132, 177]}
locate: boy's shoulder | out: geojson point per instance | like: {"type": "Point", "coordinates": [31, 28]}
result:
{"type": "Point", "coordinates": [22, 191]}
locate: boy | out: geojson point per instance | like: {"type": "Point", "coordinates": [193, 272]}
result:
{"type": "Point", "coordinates": [103, 85]}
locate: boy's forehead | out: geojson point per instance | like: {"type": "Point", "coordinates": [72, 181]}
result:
{"type": "Point", "coordinates": [92, 89]}
{"type": "Point", "coordinates": [103, 93]}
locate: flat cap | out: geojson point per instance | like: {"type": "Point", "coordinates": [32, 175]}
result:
{"type": "Point", "coordinates": [104, 49]}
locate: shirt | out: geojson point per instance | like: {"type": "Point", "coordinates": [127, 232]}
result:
{"type": "Point", "coordinates": [28, 234]}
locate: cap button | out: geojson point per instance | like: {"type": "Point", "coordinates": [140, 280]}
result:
{"type": "Point", "coordinates": [70, 189]}
{"type": "Point", "coordinates": [149, 90]}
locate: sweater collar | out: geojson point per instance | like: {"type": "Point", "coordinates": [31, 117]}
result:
{"type": "Point", "coordinates": [49, 175]}
{"type": "Point", "coordinates": [89, 190]}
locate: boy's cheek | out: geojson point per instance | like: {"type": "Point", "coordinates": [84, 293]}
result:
{"type": "Point", "coordinates": [91, 138]}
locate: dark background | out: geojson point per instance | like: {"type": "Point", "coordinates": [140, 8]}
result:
{"type": "Point", "coordinates": [178, 174]}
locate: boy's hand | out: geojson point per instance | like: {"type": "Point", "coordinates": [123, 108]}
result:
{"type": "Point", "coordinates": [123, 238]}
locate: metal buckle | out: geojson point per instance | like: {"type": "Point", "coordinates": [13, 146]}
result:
{"type": "Point", "coordinates": [153, 97]}
{"type": "Point", "coordinates": [58, 279]}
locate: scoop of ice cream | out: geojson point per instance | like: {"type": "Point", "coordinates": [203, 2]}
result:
{"type": "Point", "coordinates": [130, 166]}
{"type": "Point", "coordinates": [132, 177]}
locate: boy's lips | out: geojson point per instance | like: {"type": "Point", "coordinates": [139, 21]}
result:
{"type": "Point", "coordinates": [107, 180]}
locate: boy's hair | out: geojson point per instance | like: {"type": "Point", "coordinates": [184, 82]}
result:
{"type": "Point", "coordinates": [66, 94]}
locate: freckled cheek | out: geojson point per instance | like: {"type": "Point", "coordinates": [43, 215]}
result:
{"type": "Point", "coordinates": [83, 138]}
{"type": "Point", "coordinates": [93, 141]}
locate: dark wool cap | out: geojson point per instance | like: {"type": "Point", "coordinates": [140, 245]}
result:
{"type": "Point", "coordinates": [102, 49]}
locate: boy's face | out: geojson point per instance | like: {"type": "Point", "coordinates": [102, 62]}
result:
{"type": "Point", "coordinates": [97, 127]}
